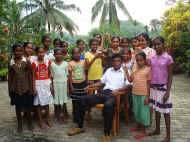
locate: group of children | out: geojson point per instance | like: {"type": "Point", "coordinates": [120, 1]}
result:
{"type": "Point", "coordinates": [43, 76]}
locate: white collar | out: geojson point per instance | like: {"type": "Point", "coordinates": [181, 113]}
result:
{"type": "Point", "coordinates": [12, 62]}
{"type": "Point", "coordinates": [119, 70]}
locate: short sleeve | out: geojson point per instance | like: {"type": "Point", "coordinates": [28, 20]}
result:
{"type": "Point", "coordinates": [104, 77]}
{"type": "Point", "coordinates": [170, 60]}
{"type": "Point", "coordinates": [33, 66]}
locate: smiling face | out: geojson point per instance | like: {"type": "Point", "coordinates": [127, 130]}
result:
{"type": "Point", "coordinates": [124, 43]}
{"type": "Point", "coordinates": [28, 49]}
{"type": "Point", "coordinates": [127, 55]}
{"type": "Point", "coordinates": [94, 46]}
{"type": "Point", "coordinates": [76, 54]}
{"type": "Point", "coordinates": [135, 43]}
{"type": "Point", "coordinates": [158, 46]}
{"type": "Point", "coordinates": [18, 52]}
{"type": "Point", "coordinates": [116, 63]}
{"type": "Point", "coordinates": [47, 42]}
{"type": "Point", "coordinates": [115, 42]}
{"type": "Point", "coordinates": [143, 43]}
{"type": "Point", "coordinates": [41, 53]}
{"type": "Point", "coordinates": [140, 60]}
{"type": "Point", "coordinates": [58, 55]}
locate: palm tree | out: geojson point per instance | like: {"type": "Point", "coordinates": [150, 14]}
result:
{"type": "Point", "coordinates": [155, 24]}
{"type": "Point", "coordinates": [50, 14]}
{"type": "Point", "coordinates": [108, 9]}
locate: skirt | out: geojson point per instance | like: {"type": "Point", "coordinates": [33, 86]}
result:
{"type": "Point", "coordinates": [141, 111]}
{"type": "Point", "coordinates": [44, 96]}
{"type": "Point", "coordinates": [24, 100]}
{"type": "Point", "coordinates": [61, 96]}
{"type": "Point", "coordinates": [157, 93]}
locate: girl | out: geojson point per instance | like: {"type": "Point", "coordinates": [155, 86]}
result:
{"type": "Point", "coordinates": [160, 98]}
{"type": "Point", "coordinates": [94, 62]}
{"type": "Point", "coordinates": [57, 43]}
{"type": "Point", "coordinates": [144, 42]}
{"type": "Point", "coordinates": [28, 51]}
{"type": "Point", "coordinates": [77, 79]}
{"type": "Point", "coordinates": [64, 48]}
{"type": "Point", "coordinates": [135, 46]}
{"type": "Point", "coordinates": [20, 86]}
{"type": "Point", "coordinates": [141, 90]}
{"type": "Point", "coordinates": [46, 42]}
{"type": "Point", "coordinates": [93, 58]}
{"type": "Point", "coordinates": [127, 60]}
{"type": "Point", "coordinates": [114, 49]}
{"type": "Point", "coordinates": [59, 71]}
{"type": "Point", "coordinates": [81, 45]}
{"type": "Point", "coordinates": [41, 71]}
{"type": "Point", "coordinates": [99, 38]}
{"type": "Point", "coordinates": [124, 43]}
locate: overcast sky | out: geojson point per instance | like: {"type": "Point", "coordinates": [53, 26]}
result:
{"type": "Point", "coordinates": [140, 10]}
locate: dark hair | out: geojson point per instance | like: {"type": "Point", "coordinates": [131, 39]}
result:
{"type": "Point", "coordinates": [72, 52]}
{"type": "Point", "coordinates": [142, 54]}
{"type": "Point", "coordinates": [26, 43]}
{"type": "Point", "coordinates": [134, 38]}
{"type": "Point", "coordinates": [38, 48]}
{"type": "Point", "coordinates": [116, 56]}
{"type": "Point", "coordinates": [57, 50]}
{"type": "Point", "coordinates": [113, 37]}
{"type": "Point", "coordinates": [160, 38]}
{"type": "Point", "coordinates": [92, 40]}
{"type": "Point", "coordinates": [15, 46]}
{"type": "Point", "coordinates": [145, 35]}
{"type": "Point", "coordinates": [125, 38]}
{"type": "Point", "coordinates": [55, 40]}
{"type": "Point", "coordinates": [79, 41]}
{"type": "Point", "coordinates": [44, 37]}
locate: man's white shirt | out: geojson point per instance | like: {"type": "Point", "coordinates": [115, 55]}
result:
{"type": "Point", "coordinates": [114, 79]}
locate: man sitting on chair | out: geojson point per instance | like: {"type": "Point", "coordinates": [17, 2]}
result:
{"type": "Point", "coordinates": [113, 80]}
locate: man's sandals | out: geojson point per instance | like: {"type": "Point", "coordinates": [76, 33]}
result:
{"type": "Point", "coordinates": [75, 131]}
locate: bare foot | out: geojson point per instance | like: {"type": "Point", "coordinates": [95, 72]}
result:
{"type": "Point", "coordinates": [49, 124]}
{"type": "Point", "coordinates": [166, 140]}
{"type": "Point", "coordinates": [42, 126]}
{"type": "Point", "coordinates": [155, 132]}
{"type": "Point", "coordinates": [19, 129]}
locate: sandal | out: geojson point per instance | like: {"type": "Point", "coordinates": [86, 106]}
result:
{"type": "Point", "coordinates": [75, 131]}
{"type": "Point", "coordinates": [140, 136]}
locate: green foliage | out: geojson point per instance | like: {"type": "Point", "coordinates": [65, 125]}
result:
{"type": "Point", "coordinates": [176, 30]}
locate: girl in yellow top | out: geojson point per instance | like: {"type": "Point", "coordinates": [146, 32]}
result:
{"type": "Point", "coordinates": [141, 77]}
{"type": "Point", "coordinates": [94, 61]}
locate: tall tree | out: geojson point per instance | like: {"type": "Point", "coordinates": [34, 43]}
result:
{"type": "Point", "coordinates": [108, 9]}
{"type": "Point", "coordinates": [51, 12]}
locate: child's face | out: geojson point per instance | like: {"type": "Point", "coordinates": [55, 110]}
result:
{"type": "Point", "coordinates": [94, 46]}
{"type": "Point", "coordinates": [127, 56]}
{"type": "Point", "coordinates": [142, 42]}
{"type": "Point", "coordinates": [47, 42]}
{"type": "Point", "coordinates": [115, 43]}
{"type": "Point", "coordinates": [57, 44]}
{"type": "Point", "coordinates": [99, 38]}
{"type": "Point", "coordinates": [135, 43]}
{"type": "Point", "coordinates": [76, 54]}
{"type": "Point", "coordinates": [58, 55]}
{"type": "Point", "coordinates": [140, 61]}
{"type": "Point", "coordinates": [18, 52]}
{"type": "Point", "coordinates": [116, 63]}
{"type": "Point", "coordinates": [124, 43]}
{"type": "Point", "coordinates": [158, 46]}
{"type": "Point", "coordinates": [29, 49]}
{"type": "Point", "coordinates": [81, 46]}
{"type": "Point", "coordinates": [41, 53]}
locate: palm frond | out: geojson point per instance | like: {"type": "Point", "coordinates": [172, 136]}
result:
{"type": "Point", "coordinates": [124, 9]}
{"type": "Point", "coordinates": [113, 17]}
{"type": "Point", "coordinates": [96, 9]}
{"type": "Point", "coordinates": [104, 14]}
{"type": "Point", "coordinates": [63, 6]}
{"type": "Point", "coordinates": [65, 21]}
